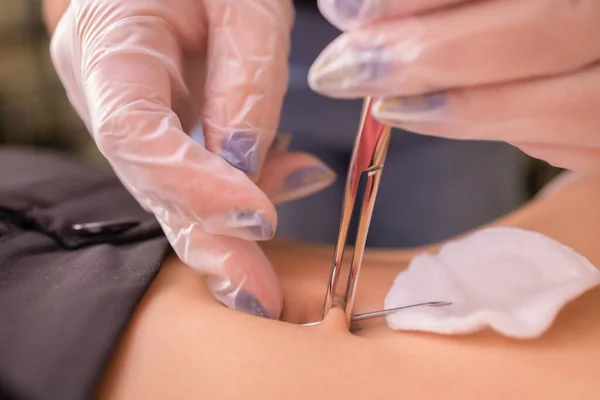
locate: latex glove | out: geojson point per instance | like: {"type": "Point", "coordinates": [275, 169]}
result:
{"type": "Point", "coordinates": [522, 71]}
{"type": "Point", "coordinates": [140, 73]}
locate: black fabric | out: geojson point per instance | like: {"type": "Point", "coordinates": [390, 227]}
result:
{"type": "Point", "coordinates": [67, 287]}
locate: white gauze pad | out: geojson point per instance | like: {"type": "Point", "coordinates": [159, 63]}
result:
{"type": "Point", "coordinates": [508, 279]}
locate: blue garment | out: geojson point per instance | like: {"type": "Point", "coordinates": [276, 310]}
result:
{"type": "Point", "coordinates": [431, 188]}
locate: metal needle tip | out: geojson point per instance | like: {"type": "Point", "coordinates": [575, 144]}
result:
{"type": "Point", "coordinates": [384, 313]}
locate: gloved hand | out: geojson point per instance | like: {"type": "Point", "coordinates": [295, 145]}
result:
{"type": "Point", "coordinates": [140, 73]}
{"type": "Point", "coordinates": [522, 71]}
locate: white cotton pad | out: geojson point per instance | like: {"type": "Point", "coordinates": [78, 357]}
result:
{"type": "Point", "coordinates": [508, 279]}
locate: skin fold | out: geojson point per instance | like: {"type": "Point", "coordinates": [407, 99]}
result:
{"type": "Point", "coordinates": [182, 344]}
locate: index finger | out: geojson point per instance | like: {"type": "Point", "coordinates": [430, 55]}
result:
{"type": "Point", "coordinates": [128, 88]}
{"type": "Point", "coordinates": [349, 14]}
{"type": "Point", "coordinates": [247, 77]}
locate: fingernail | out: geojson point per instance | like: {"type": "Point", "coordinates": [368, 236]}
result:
{"type": "Point", "coordinates": [348, 8]}
{"type": "Point", "coordinates": [244, 224]}
{"type": "Point", "coordinates": [235, 298]}
{"type": "Point", "coordinates": [422, 107]}
{"type": "Point", "coordinates": [240, 150]}
{"type": "Point", "coordinates": [348, 66]}
{"type": "Point", "coordinates": [306, 181]}
{"type": "Point", "coordinates": [306, 177]}
{"type": "Point", "coordinates": [249, 304]}
{"type": "Point", "coordinates": [257, 226]}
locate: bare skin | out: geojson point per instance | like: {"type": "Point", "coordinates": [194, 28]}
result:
{"type": "Point", "coordinates": [183, 344]}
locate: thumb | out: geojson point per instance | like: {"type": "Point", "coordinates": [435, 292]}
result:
{"type": "Point", "coordinates": [239, 274]}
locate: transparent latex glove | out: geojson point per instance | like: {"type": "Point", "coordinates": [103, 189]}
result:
{"type": "Point", "coordinates": [140, 73]}
{"type": "Point", "coordinates": [522, 71]}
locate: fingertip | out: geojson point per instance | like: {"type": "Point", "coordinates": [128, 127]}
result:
{"type": "Point", "coordinates": [247, 281]}
{"type": "Point", "coordinates": [241, 208]}
{"type": "Point", "coordinates": [243, 224]}
{"type": "Point", "coordinates": [355, 64]}
{"type": "Point", "coordinates": [429, 106]}
{"type": "Point", "coordinates": [245, 149]}
{"type": "Point", "coordinates": [345, 14]}
{"type": "Point", "coordinates": [241, 149]}
{"type": "Point", "coordinates": [256, 302]}
{"type": "Point", "coordinates": [294, 175]}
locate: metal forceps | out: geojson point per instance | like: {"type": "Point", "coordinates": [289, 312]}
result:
{"type": "Point", "coordinates": [370, 149]}
{"type": "Point", "coordinates": [368, 156]}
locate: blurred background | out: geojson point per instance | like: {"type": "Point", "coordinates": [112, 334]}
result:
{"type": "Point", "coordinates": [34, 110]}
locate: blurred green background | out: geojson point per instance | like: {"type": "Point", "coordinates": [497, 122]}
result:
{"type": "Point", "coordinates": [34, 109]}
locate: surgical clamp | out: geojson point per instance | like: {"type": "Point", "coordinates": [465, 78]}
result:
{"type": "Point", "coordinates": [368, 156]}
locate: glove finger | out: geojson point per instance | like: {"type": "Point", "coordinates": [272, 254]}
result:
{"type": "Point", "coordinates": [350, 14]}
{"type": "Point", "coordinates": [247, 77]}
{"type": "Point", "coordinates": [559, 110]}
{"type": "Point", "coordinates": [291, 176]}
{"type": "Point", "coordinates": [477, 43]}
{"type": "Point", "coordinates": [129, 81]}
{"type": "Point", "coordinates": [239, 274]}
